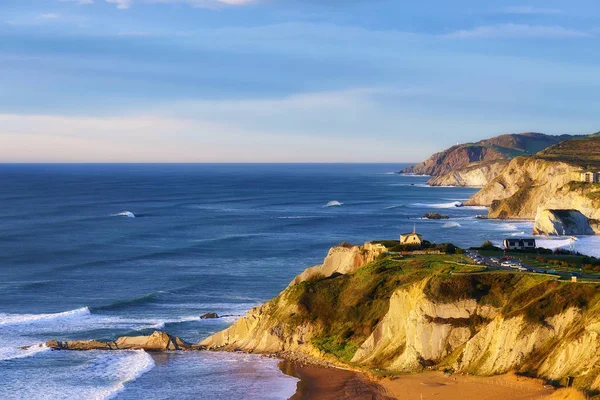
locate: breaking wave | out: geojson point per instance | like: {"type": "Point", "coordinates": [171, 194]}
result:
{"type": "Point", "coordinates": [437, 205]}
{"type": "Point", "coordinates": [451, 225]}
{"type": "Point", "coordinates": [333, 203]}
{"type": "Point", "coordinates": [127, 214]}
{"type": "Point", "coordinates": [128, 369]}
{"type": "Point", "coordinates": [14, 319]}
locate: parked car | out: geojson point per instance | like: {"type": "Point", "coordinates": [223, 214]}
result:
{"type": "Point", "coordinates": [522, 269]}
{"type": "Point", "coordinates": [506, 264]}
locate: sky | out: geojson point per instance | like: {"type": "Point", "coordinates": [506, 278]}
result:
{"type": "Point", "coordinates": [289, 80]}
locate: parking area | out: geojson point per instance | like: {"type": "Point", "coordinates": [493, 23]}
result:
{"type": "Point", "coordinates": [517, 263]}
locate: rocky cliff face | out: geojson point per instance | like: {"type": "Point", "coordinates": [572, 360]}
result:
{"type": "Point", "coordinates": [454, 158]}
{"type": "Point", "coordinates": [473, 174]}
{"type": "Point", "coordinates": [406, 315]}
{"type": "Point", "coordinates": [528, 183]}
{"type": "Point", "coordinates": [503, 147]}
{"type": "Point", "coordinates": [529, 186]}
{"type": "Point", "coordinates": [563, 222]}
{"type": "Point", "coordinates": [342, 259]}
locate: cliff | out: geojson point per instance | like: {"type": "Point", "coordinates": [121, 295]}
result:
{"type": "Point", "coordinates": [563, 222]}
{"type": "Point", "coordinates": [403, 314]}
{"type": "Point", "coordinates": [473, 174]}
{"type": "Point", "coordinates": [547, 181]}
{"type": "Point", "coordinates": [342, 259]}
{"type": "Point", "coordinates": [488, 151]}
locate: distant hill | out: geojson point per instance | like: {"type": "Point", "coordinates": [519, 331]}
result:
{"type": "Point", "coordinates": [581, 151]}
{"type": "Point", "coordinates": [503, 147]}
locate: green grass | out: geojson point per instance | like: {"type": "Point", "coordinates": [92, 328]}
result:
{"type": "Point", "coordinates": [340, 348]}
{"type": "Point", "coordinates": [343, 310]}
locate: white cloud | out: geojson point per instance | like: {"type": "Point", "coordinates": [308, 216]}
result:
{"type": "Point", "coordinates": [121, 4]}
{"type": "Point", "coordinates": [518, 31]}
{"type": "Point", "coordinates": [530, 10]}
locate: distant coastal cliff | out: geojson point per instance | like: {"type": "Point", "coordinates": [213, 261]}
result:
{"type": "Point", "coordinates": [546, 185]}
{"type": "Point", "coordinates": [476, 164]}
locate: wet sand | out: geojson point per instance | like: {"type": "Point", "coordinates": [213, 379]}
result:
{"type": "Point", "coordinates": [338, 384]}
{"type": "Point", "coordinates": [319, 383]}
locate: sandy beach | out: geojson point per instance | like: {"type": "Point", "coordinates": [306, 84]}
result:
{"type": "Point", "coordinates": [338, 384]}
{"type": "Point", "coordinates": [436, 385]}
{"type": "Point", "coordinates": [332, 383]}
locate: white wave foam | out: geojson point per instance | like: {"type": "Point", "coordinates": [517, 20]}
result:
{"type": "Point", "coordinates": [475, 207]}
{"type": "Point", "coordinates": [12, 319]}
{"type": "Point", "coordinates": [128, 369]}
{"type": "Point", "coordinates": [508, 227]}
{"type": "Point", "coordinates": [415, 175]}
{"type": "Point", "coordinates": [333, 203]}
{"type": "Point", "coordinates": [437, 205]}
{"type": "Point", "coordinates": [451, 225]}
{"type": "Point", "coordinates": [127, 214]}
{"type": "Point", "coordinates": [517, 233]}
{"type": "Point", "coordinates": [11, 349]}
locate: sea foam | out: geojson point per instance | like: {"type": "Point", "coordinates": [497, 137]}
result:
{"type": "Point", "coordinates": [437, 205]}
{"type": "Point", "coordinates": [451, 225]}
{"type": "Point", "coordinates": [333, 203]}
{"type": "Point", "coordinates": [127, 214]}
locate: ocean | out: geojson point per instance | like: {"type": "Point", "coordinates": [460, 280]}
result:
{"type": "Point", "coordinates": [101, 251]}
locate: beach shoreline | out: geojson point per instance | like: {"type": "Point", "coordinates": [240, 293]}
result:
{"type": "Point", "coordinates": [317, 381]}
{"type": "Point", "coordinates": [331, 383]}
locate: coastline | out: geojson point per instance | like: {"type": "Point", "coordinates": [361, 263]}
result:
{"type": "Point", "coordinates": [318, 382]}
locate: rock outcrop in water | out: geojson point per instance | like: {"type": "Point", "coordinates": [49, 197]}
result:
{"type": "Point", "coordinates": [157, 341]}
{"type": "Point", "coordinates": [404, 315]}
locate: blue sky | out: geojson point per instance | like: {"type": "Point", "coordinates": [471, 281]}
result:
{"type": "Point", "coordinates": [289, 80]}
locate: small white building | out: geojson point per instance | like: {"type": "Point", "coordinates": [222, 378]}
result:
{"type": "Point", "coordinates": [590, 176]}
{"type": "Point", "coordinates": [411, 238]}
{"type": "Point", "coordinates": [519, 244]}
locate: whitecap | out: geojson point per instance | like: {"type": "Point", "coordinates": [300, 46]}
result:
{"type": "Point", "coordinates": [475, 207]}
{"type": "Point", "coordinates": [451, 225]}
{"type": "Point", "coordinates": [127, 214]}
{"type": "Point", "coordinates": [414, 175]}
{"type": "Point", "coordinates": [333, 203]}
{"type": "Point", "coordinates": [128, 369]}
{"type": "Point", "coordinates": [437, 205]}
{"type": "Point", "coordinates": [13, 319]}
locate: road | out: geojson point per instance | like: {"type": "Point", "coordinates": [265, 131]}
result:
{"type": "Point", "coordinates": [488, 262]}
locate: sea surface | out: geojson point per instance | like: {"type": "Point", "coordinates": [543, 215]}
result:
{"type": "Point", "coordinates": [101, 251]}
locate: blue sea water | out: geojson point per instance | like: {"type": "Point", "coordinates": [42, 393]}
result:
{"type": "Point", "coordinates": [76, 264]}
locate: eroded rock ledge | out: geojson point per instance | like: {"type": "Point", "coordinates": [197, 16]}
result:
{"type": "Point", "coordinates": [157, 341]}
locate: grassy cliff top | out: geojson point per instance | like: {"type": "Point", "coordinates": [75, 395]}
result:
{"type": "Point", "coordinates": [584, 152]}
{"type": "Point", "coordinates": [345, 309]}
